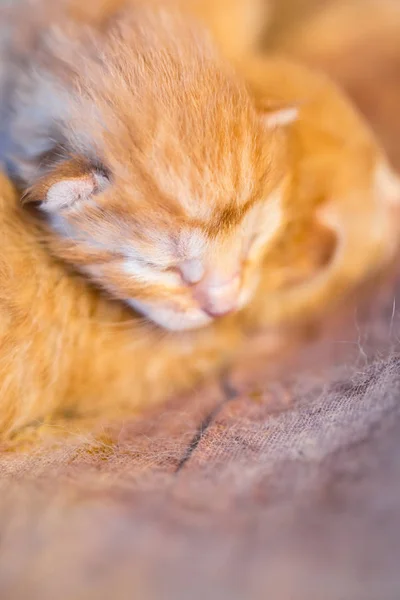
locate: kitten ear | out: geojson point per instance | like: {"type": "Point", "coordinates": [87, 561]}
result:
{"type": "Point", "coordinates": [280, 117]}
{"type": "Point", "coordinates": [69, 193]}
{"type": "Point", "coordinates": [66, 193]}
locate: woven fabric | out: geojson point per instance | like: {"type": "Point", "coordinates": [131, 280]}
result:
{"type": "Point", "coordinates": [282, 485]}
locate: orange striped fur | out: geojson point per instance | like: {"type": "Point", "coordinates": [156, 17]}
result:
{"type": "Point", "coordinates": [324, 195]}
{"type": "Point", "coordinates": [148, 157]}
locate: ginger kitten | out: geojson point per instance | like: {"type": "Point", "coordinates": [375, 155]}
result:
{"type": "Point", "coordinates": [63, 346]}
{"type": "Point", "coordinates": [341, 209]}
{"type": "Point", "coordinates": [169, 179]}
{"type": "Point", "coordinates": [147, 155]}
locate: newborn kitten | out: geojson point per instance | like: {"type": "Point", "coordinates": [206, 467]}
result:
{"type": "Point", "coordinates": [343, 198]}
{"type": "Point", "coordinates": [146, 154]}
{"type": "Point", "coordinates": [64, 347]}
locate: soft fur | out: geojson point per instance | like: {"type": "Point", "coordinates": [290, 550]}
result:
{"type": "Point", "coordinates": [146, 153]}
{"type": "Point", "coordinates": [64, 346]}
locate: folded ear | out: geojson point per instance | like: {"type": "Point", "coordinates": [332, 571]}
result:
{"type": "Point", "coordinates": [273, 115]}
{"type": "Point", "coordinates": [64, 190]}
{"type": "Point", "coordinates": [280, 117]}
{"type": "Point", "coordinates": [70, 193]}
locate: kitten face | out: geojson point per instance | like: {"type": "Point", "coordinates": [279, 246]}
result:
{"type": "Point", "coordinates": [181, 260]}
{"type": "Point", "coordinates": [168, 183]}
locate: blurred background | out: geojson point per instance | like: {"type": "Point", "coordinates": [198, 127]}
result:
{"type": "Point", "coordinates": [356, 42]}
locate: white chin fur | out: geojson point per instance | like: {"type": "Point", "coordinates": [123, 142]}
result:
{"type": "Point", "coordinates": [170, 319]}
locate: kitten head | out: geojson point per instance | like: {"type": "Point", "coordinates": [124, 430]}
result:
{"type": "Point", "coordinates": [169, 186]}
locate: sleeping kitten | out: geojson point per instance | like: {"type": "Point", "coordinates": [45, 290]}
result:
{"type": "Point", "coordinates": [64, 347]}
{"type": "Point", "coordinates": [173, 184]}
{"type": "Point", "coordinates": [145, 152]}
{"type": "Point", "coordinates": [341, 210]}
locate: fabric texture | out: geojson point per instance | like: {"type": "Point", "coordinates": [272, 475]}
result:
{"type": "Point", "coordinates": [280, 484]}
{"type": "Point", "coordinates": [277, 481]}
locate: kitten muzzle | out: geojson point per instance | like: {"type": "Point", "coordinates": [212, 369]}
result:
{"type": "Point", "coordinates": [218, 300]}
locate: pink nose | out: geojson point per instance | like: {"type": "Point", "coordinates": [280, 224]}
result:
{"type": "Point", "coordinates": [218, 300]}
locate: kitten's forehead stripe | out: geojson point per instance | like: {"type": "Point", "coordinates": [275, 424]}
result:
{"type": "Point", "coordinates": [192, 242]}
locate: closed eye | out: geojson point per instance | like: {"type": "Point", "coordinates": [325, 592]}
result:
{"type": "Point", "coordinates": [170, 269]}
{"type": "Point", "coordinates": [142, 261]}
{"type": "Point", "coordinates": [161, 267]}
{"type": "Point", "coordinates": [149, 273]}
